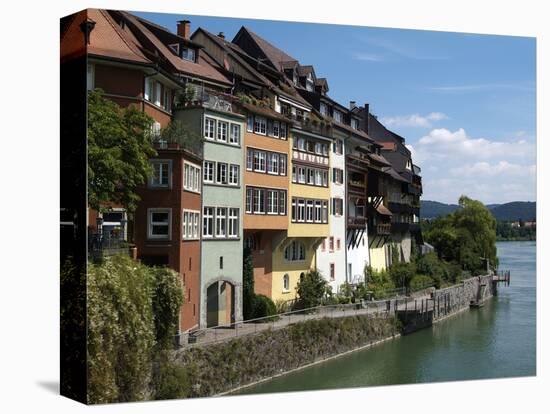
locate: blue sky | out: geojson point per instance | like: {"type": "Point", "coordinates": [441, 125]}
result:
{"type": "Point", "coordinates": [465, 103]}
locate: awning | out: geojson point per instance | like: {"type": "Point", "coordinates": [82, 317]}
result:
{"type": "Point", "coordinates": [382, 209]}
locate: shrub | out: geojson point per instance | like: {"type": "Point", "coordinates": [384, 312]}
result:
{"type": "Point", "coordinates": [421, 282]}
{"type": "Point", "coordinates": [167, 301]}
{"type": "Point", "coordinates": [263, 307]}
{"type": "Point", "coordinates": [282, 306]}
{"type": "Point", "coordinates": [311, 289]}
{"type": "Point", "coordinates": [402, 273]}
{"type": "Point", "coordinates": [130, 306]}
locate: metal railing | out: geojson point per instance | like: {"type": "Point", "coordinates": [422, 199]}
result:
{"type": "Point", "coordinates": [374, 309]}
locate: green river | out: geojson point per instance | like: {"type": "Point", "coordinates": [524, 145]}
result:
{"type": "Point", "coordinates": [496, 341]}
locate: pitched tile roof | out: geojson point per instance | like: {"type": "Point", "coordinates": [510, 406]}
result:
{"type": "Point", "coordinates": [107, 39]}
{"type": "Point", "coordinates": [275, 55]}
{"type": "Point", "coordinates": [201, 69]}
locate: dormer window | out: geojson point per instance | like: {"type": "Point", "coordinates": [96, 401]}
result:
{"type": "Point", "coordinates": [294, 78]}
{"type": "Point", "coordinates": [409, 165]}
{"type": "Point", "coordinates": [338, 116]}
{"type": "Point", "coordinates": [176, 48]}
{"type": "Point", "coordinates": [354, 123]}
{"type": "Point", "coordinates": [323, 109]}
{"type": "Point", "coordinates": [188, 54]}
{"type": "Point", "coordinates": [309, 82]}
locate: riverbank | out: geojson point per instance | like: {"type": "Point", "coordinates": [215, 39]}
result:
{"type": "Point", "coordinates": [495, 341]}
{"type": "Point", "coordinates": [250, 360]}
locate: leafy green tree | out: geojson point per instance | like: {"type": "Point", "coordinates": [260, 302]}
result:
{"type": "Point", "coordinates": [402, 273]}
{"type": "Point", "coordinates": [119, 148]}
{"type": "Point", "coordinates": [311, 289]}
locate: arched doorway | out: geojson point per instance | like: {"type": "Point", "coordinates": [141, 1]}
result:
{"type": "Point", "coordinates": [220, 304]}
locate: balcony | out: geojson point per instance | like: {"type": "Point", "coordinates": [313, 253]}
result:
{"type": "Point", "coordinates": [357, 222]}
{"type": "Point", "coordinates": [101, 245]}
{"type": "Point", "coordinates": [195, 96]}
{"type": "Point", "coordinates": [383, 229]}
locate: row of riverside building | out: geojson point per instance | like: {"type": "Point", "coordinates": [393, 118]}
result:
{"type": "Point", "coordinates": [269, 162]}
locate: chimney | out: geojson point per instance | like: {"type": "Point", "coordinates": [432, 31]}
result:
{"type": "Point", "coordinates": [367, 108]}
{"type": "Point", "coordinates": [221, 35]}
{"type": "Point", "coordinates": [184, 28]}
{"type": "Point", "coordinates": [352, 105]}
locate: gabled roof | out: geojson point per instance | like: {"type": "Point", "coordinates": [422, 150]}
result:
{"type": "Point", "coordinates": [107, 39]}
{"type": "Point", "coordinates": [201, 68]}
{"type": "Point", "coordinates": [273, 54]}
{"type": "Point", "coordinates": [305, 70]}
{"type": "Point", "coordinates": [322, 82]}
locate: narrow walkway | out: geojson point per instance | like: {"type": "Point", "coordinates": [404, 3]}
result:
{"type": "Point", "coordinates": [374, 309]}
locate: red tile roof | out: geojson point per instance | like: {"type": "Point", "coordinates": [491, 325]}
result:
{"type": "Point", "coordinates": [201, 69]}
{"type": "Point", "coordinates": [107, 39]}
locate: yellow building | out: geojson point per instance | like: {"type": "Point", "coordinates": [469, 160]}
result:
{"type": "Point", "coordinates": [309, 200]}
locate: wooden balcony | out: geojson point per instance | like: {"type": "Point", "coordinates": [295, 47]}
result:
{"type": "Point", "coordinates": [357, 222]}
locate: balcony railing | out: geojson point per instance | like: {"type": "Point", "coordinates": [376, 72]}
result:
{"type": "Point", "coordinates": [100, 245]}
{"type": "Point", "coordinates": [357, 221]}
{"type": "Point", "coordinates": [383, 229]}
{"type": "Point", "coordinates": [400, 227]}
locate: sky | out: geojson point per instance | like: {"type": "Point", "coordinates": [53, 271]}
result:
{"type": "Point", "coordinates": [465, 103]}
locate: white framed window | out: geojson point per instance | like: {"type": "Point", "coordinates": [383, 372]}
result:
{"type": "Point", "coordinates": [191, 177]}
{"type": "Point", "coordinates": [90, 77]}
{"type": "Point", "coordinates": [318, 148]}
{"type": "Point", "coordinates": [233, 223]}
{"type": "Point", "coordinates": [409, 165]}
{"type": "Point", "coordinates": [157, 93]}
{"type": "Point", "coordinates": [261, 161]}
{"type": "Point", "coordinates": [235, 134]}
{"type": "Point", "coordinates": [318, 177]}
{"type": "Point", "coordinates": [248, 200]}
{"type": "Point", "coordinates": [318, 211]}
{"type": "Point", "coordinates": [301, 211]}
{"type": "Point", "coordinates": [293, 173]}
{"type": "Point", "coordinates": [273, 163]}
{"type": "Point", "coordinates": [208, 222]}
{"type": "Point", "coordinates": [249, 159]}
{"type": "Point", "coordinates": [260, 125]}
{"type": "Point", "coordinates": [325, 178]}
{"type": "Point", "coordinates": [286, 283]}
{"type": "Point", "coordinates": [208, 172]}
{"type": "Point", "coordinates": [209, 128]}
{"type": "Point", "coordinates": [311, 176]}
{"type": "Point", "coordinates": [188, 53]}
{"type": "Point", "coordinates": [222, 131]}
{"type": "Point", "coordinates": [301, 144]}
{"type": "Point", "coordinates": [323, 109]}
{"type": "Point", "coordinates": [162, 172]}
{"type": "Point", "coordinates": [272, 201]}
{"type": "Point", "coordinates": [325, 211]}
{"type": "Point", "coordinates": [221, 221]}
{"type": "Point", "coordinates": [148, 91]}
{"type": "Point", "coordinates": [338, 116]}
{"type": "Point", "coordinates": [301, 175]}
{"type": "Point", "coordinates": [293, 210]}
{"type": "Point", "coordinates": [159, 223]}
{"type": "Point", "coordinates": [258, 201]}
{"type": "Point", "coordinates": [295, 252]}
{"type": "Point", "coordinates": [338, 146]}
{"type": "Point", "coordinates": [190, 224]}
{"type": "Point", "coordinates": [354, 123]}
{"type": "Point", "coordinates": [250, 123]}
{"type": "Point", "coordinates": [233, 174]}
{"type": "Point", "coordinates": [309, 211]}
{"type": "Point", "coordinates": [282, 203]}
{"type": "Point", "coordinates": [221, 173]}
{"type": "Point", "coordinates": [282, 164]}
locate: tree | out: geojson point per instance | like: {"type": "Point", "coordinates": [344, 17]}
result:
{"type": "Point", "coordinates": [466, 236]}
{"type": "Point", "coordinates": [119, 148]}
{"type": "Point", "coordinates": [311, 289]}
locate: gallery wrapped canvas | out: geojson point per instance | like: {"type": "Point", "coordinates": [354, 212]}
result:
{"type": "Point", "coordinates": [237, 219]}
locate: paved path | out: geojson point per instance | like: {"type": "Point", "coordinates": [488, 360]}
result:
{"type": "Point", "coordinates": [376, 309]}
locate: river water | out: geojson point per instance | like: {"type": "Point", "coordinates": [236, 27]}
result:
{"type": "Point", "coordinates": [496, 341]}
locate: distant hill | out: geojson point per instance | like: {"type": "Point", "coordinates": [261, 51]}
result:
{"type": "Point", "coordinates": [516, 210]}
{"type": "Point", "coordinates": [433, 209]}
{"type": "Point", "coordinates": [513, 211]}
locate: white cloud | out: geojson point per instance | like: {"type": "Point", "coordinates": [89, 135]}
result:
{"type": "Point", "coordinates": [414, 120]}
{"type": "Point", "coordinates": [443, 143]}
{"type": "Point", "coordinates": [453, 163]}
